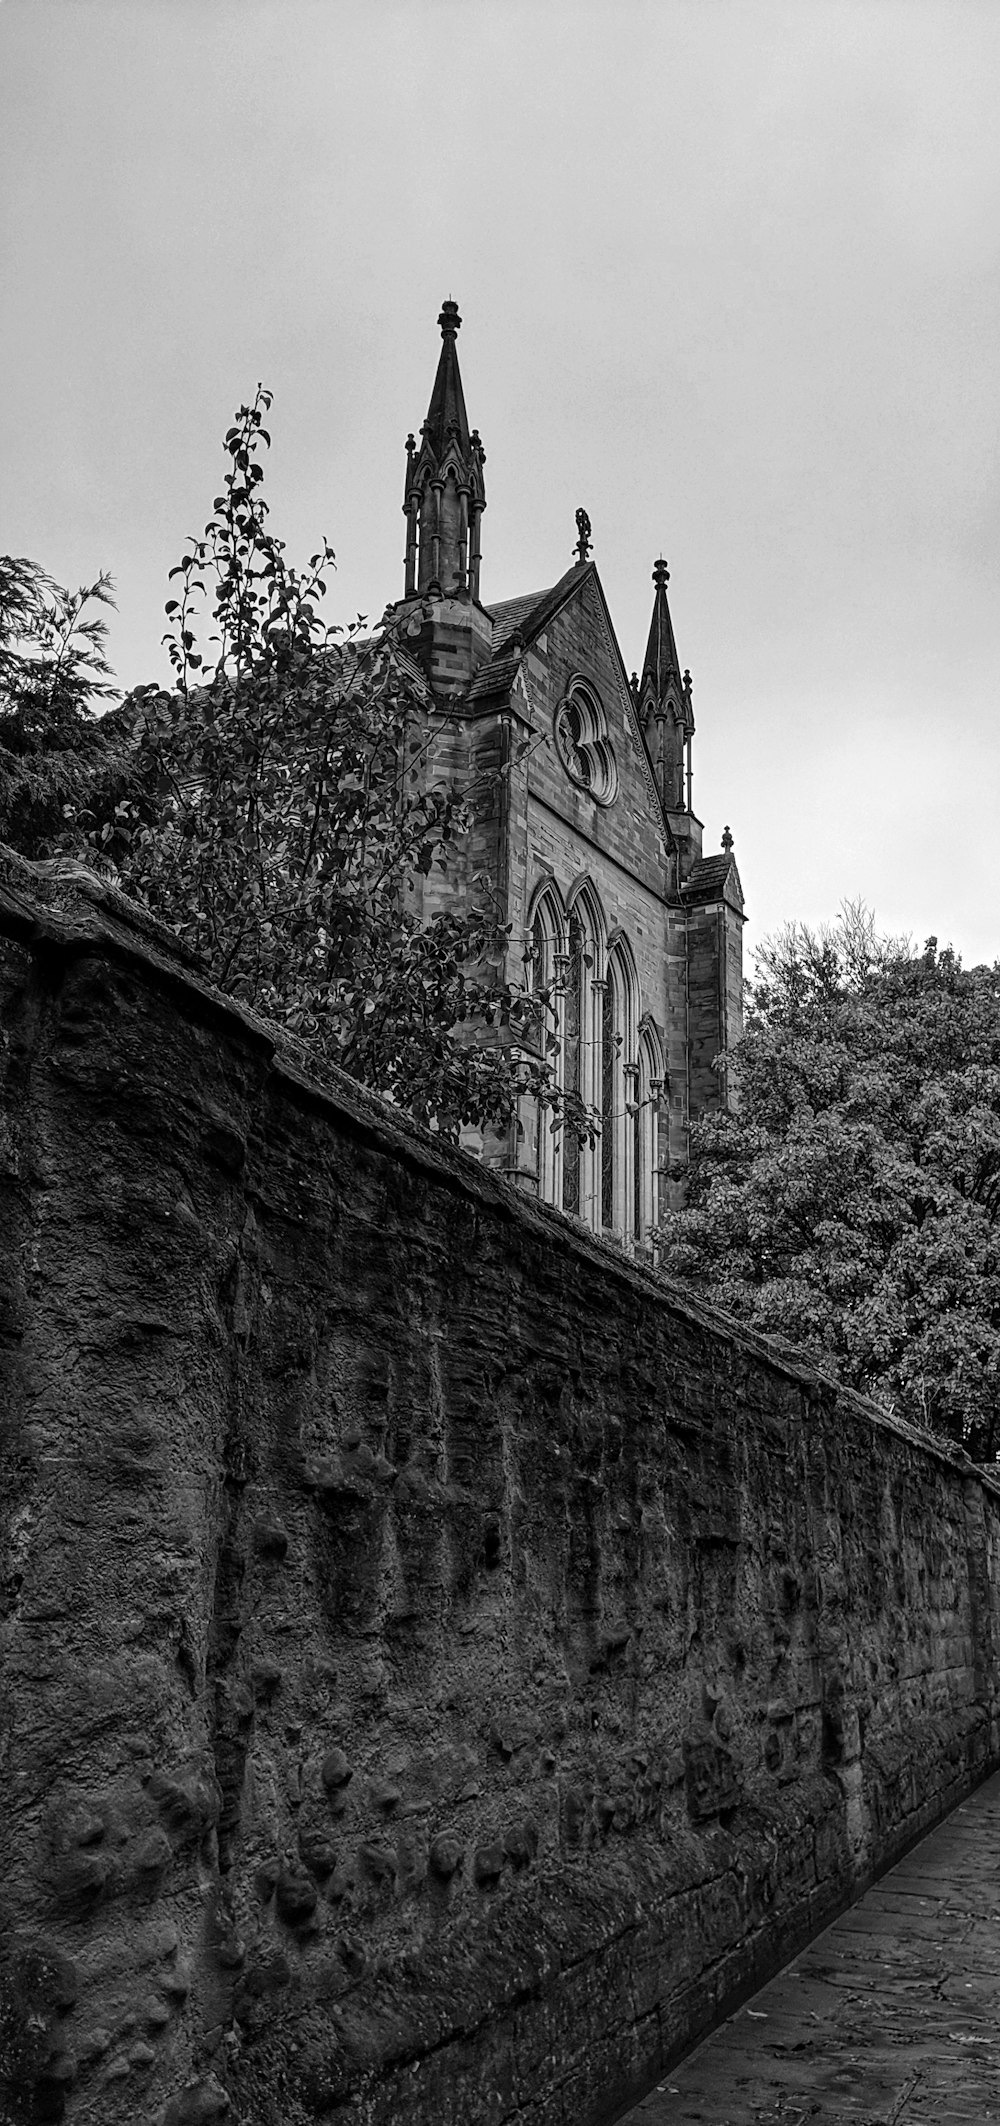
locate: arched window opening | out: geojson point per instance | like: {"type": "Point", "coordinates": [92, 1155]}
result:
{"type": "Point", "coordinates": [541, 972]}
{"type": "Point", "coordinates": [574, 1031]}
{"type": "Point", "coordinates": [586, 908]}
{"type": "Point", "coordinates": [451, 558]}
{"type": "Point", "coordinates": [567, 957]}
{"type": "Point", "coordinates": [545, 948]}
{"type": "Point", "coordinates": [647, 1138]}
{"type": "Point", "coordinates": [619, 1033]}
{"type": "Point", "coordinates": [609, 1078]}
{"type": "Point", "coordinates": [638, 1174]}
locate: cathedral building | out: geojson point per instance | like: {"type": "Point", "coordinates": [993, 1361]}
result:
{"type": "Point", "coordinates": [580, 785]}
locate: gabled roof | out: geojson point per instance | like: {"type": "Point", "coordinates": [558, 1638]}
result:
{"type": "Point", "coordinates": [511, 614]}
{"type": "Point", "coordinates": [530, 613]}
{"type": "Point", "coordinates": [711, 876]}
{"type": "Point", "coordinates": [496, 677]}
{"type": "Point", "coordinates": [526, 617]}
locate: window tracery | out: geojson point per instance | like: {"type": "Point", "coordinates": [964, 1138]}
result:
{"type": "Point", "coordinates": [609, 1059]}
{"type": "Point", "coordinates": [584, 745]}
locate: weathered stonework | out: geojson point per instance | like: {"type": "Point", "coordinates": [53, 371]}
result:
{"type": "Point", "coordinates": [441, 1667]}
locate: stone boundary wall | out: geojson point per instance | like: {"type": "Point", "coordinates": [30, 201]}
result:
{"type": "Point", "coordinates": [442, 1668]}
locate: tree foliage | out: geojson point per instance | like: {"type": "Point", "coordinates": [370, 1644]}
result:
{"type": "Point", "coordinates": [278, 814]}
{"type": "Point", "coordinates": [851, 1206]}
{"type": "Point", "coordinates": [54, 676]}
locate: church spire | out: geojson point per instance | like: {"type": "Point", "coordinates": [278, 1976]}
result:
{"type": "Point", "coordinates": [445, 495]}
{"type": "Point", "coordinates": [664, 701]}
{"type": "Point", "coordinates": [662, 662]}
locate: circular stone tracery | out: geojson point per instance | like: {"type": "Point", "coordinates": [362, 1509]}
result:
{"type": "Point", "coordinates": [583, 745]}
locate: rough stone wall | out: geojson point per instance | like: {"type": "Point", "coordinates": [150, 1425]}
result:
{"type": "Point", "coordinates": [440, 1667]}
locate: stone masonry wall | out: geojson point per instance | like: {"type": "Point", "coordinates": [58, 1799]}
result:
{"type": "Point", "coordinates": [441, 1667]}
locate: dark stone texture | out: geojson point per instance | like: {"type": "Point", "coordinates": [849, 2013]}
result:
{"type": "Point", "coordinates": [442, 1669]}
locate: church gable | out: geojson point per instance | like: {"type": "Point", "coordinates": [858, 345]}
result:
{"type": "Point", "coordinates": [588, 762]}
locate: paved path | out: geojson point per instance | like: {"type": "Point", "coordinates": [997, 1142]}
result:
{"type": "Point", "coordinates": [890, 2018]}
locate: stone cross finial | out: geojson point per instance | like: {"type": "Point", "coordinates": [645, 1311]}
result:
{"type": "Point", "coordinates": [584, 542]}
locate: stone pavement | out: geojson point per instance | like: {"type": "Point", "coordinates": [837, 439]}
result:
{"type": "Point", "coordinates": [890, 2018]}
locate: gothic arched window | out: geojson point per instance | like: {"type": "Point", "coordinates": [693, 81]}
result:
{"type": "Point", "coordinates": [546, 941]}
{"type": "Point", "coordinates": [647, 1136]}
{"type": "Point", "coordinates": [586, 913]}
{"type": "Point", "coordinates": [619, 1071]}
{"type": "Point", "coordinates": [567, 955]}
{"type": "Point", "coordinates": [573, 1038]}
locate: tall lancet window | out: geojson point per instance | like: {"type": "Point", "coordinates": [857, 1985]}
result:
{"type": "Point", "coordinates": [619, 1073]}
{"type": "Point", "coordinates": [573, 1019]}
{"type": "Point", "coordinates": [546, 941]}
{"type": "Point", "coordinates": [637, 1168]}
{"type": "Point", "coordinates": [647, 1138]}
{"type": "Point", "coordinates": [609, 1076]}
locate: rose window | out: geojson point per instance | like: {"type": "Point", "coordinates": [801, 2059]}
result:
{"type": "Point", "coordinates": [583, 745]}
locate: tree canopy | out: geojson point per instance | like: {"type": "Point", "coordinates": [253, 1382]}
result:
{"type": "Point", "coordinates": [54, 676]}
{"type": "Point", "coordinates": [850, 1205]}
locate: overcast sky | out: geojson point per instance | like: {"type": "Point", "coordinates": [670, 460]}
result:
{"type": "Point", "coordinates": [729, 278]}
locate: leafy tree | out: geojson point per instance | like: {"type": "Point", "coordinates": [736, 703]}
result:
{"type": "Point", "coordinates": [851, 1204]}
{"type": "Point", "coordinates": [281, 820]}
{"type": "Point", "coordinates": [54, 676]}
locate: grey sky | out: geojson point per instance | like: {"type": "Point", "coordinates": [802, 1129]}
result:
{"type": "Point", "coordinates": [729, 276]}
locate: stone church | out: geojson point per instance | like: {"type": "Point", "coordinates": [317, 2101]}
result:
{"type": "Point", "coordinates": [580, 782]}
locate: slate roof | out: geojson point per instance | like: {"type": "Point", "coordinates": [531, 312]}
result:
{"type": "Point", "coordinates": [497, 677]}
{"type": "Point", "coordinates": [531, 612]}
{"type": "Point", "coordinates": [709, 876]}
{"type": "Point", "coordinates": [512, 613]}
{"type": "Point", "coordinates": [527, 617]}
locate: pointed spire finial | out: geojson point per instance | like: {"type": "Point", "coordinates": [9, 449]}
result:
{"type": "Point", "coordinates": [584, 541]}
{"type": "Point", "coordinates": [445, 496]}
{"type": "Point", "coordinates": [661, 662]}
{"type": "Point", "coordinates": [727, 840]}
